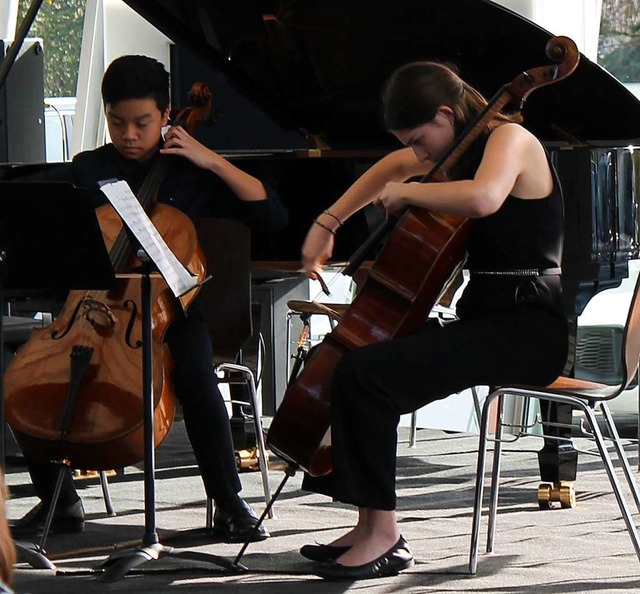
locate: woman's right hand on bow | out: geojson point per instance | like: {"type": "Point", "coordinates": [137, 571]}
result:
{"type": "Point", "coordinates": [316, 250]}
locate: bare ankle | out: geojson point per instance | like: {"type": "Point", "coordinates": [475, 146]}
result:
{"type": "Point", "coordinates": [350, 538]}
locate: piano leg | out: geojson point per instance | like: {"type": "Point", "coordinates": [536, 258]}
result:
{"type": "Point", "coordinates": [558, 459]}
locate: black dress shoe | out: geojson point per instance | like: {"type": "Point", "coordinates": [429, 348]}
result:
{"type": "Point", "coordinates": [322, 552]}
{"type": "Point", "coordinates": [66, 520]}
{"type": "Point", "coordinates": [236, 522]}
{"type": "Point", "coordinates": [396, 559]}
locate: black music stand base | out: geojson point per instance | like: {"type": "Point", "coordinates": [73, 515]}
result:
{"type": "Point", "coordinates": [121, 562]}
{"type": "Point", "coordinates": [32, 554]}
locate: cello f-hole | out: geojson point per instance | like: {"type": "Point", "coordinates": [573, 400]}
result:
{"type": "Point", "coordinates": [55, 335]}
{"type": "Point", "coordinates": [130, 324]}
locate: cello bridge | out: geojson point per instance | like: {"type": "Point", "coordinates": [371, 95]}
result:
{"type": "Point", "coordinates": [98, 314]}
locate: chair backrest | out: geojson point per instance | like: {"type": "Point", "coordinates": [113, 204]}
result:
{"type": "Point", "coordinates": [631, 338]}
{"type": "Point", "coordinates": [226, 296]}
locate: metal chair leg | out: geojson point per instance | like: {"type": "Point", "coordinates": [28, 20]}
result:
{"type": "Point", "coordinates": [495, 475]}
{"type": "Point", "coordinates": [477, 506]}
{"type": "Point", "coordinates": [477, 408]}
{"type": "Point", "coordinates": [613, 479]}
{"type": "Point", "coordinates": [638, 422]}
{"type": "Point", "coordinates": [288, 343]}
{"type": "Point", "coordinates": [413, 431]}
{"type": "Point", "coordinates": [208, 522]}
{"type": "Point", "coordinates": [600, 443]}
{"type": "Point", "coordinates": [615, 437]}
{"type": "Point", "coordinates": [263, 458]}
{"type": "Point", "coordinates": [104, 483]}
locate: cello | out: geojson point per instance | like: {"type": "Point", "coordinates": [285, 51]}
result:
{"type": "Point", "coordinates": [74, 391]}
{"type": "Point", "coordinates": [423, 253]}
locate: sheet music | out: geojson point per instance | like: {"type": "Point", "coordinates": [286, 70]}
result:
{"type": "Point", "coordinates": [179, 279]}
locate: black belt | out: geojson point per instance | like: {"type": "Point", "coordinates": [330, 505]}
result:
{"type": "Point", "coordinates": [519, 272]}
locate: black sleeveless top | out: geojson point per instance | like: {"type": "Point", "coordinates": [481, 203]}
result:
{"type": "Point", "coordinates": [523, 235]}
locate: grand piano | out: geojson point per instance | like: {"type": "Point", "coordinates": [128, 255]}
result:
{"type": "Point", "coordinates": [306, 76]}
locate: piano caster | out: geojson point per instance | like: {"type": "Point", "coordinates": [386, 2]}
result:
{"type": "Point", "coordinates": [247, 459]}
{"type": "Point", "coordinates": [79, 475]}
{"type": "Point", "coordinates": [562, 492]}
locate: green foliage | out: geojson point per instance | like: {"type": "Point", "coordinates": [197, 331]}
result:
{"type": "Point", "coordinates": [619, 44]}
{"type": "Point", "coordinates": [623, 62]}
{"type": "Point", "coordinates": [59, 24]}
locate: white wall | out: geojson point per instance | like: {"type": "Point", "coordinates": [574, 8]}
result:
{"type": "Point", "coordinates": [126, 32]}
{"type": "Point", "coordinates": [111, 29]}
{"type": "Point", "coordinates": [8, 19]}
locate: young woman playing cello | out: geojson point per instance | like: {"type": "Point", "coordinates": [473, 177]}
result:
{"type": "Point", "coordinates": [511, 326]}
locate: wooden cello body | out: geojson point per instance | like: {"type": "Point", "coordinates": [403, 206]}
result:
{"type": "Point", "coordinates": [74, 391]}
{"type": "Point", "coordinates": [84, 371]}
{"type": "Point", "coordinates": [393, 301]}
{"type": "Point", "coordinates": [413, 269]}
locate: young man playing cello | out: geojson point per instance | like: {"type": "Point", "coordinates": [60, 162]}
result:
{"type": "Point", "coordinates": [200, 182]}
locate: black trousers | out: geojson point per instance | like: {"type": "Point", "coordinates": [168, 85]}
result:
{"type": "Point", "coordinates": [204, 412]}
{"type": "Point", "coordinates": [374, 385]}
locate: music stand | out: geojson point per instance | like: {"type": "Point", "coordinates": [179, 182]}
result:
{"type": "Point", "coordinates": [121, 562]}
{"type": "Point", "coordinates": [50, 240]}
{"type": "Point", "coordinates": [156, 260]}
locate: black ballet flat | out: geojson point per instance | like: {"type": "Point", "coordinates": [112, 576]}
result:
{"type": "Point", "coordinates": [395, 560]}
{"type": "Point", "coordinates": [322, 552]}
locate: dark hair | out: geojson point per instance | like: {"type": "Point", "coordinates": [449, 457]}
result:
{"type": "Point", "coordinates": [414, 92]}
{"type": "Point", "coordinates": [136, 77]}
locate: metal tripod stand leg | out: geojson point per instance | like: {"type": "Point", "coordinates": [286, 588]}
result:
{"type": "Point", "coordinates": [35, 554]}
{"type": "Point", "coordinates": [290, 470]}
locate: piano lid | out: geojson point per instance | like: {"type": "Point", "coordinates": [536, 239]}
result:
{"type": "Point", "coordinates": [319, 65]}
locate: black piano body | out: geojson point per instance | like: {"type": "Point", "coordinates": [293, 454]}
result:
{"type": "Point", "coordinates": [305, 78]}
{"type": "Point", "coordinates": [314, 69]}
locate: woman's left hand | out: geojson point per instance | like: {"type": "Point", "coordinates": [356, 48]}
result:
{"type": "Point", "coordinates": [393, 198]}
{"type": "Point", "coordinates": [177, 141]}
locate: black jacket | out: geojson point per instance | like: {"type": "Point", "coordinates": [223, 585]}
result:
{"type": "Point", "coordinates": [194, 191]}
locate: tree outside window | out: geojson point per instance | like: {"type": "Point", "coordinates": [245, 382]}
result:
{"type": "Point", "coordinates": [59, 24]}
{"type": "Point", "coordinates": [619, 44]}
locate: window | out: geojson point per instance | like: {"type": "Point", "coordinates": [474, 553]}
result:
{"type": "Point", "coordinates": [619, 43]}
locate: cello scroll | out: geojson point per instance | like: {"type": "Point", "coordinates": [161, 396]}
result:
{"type": "Point", "coordinates": [561, 50]}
